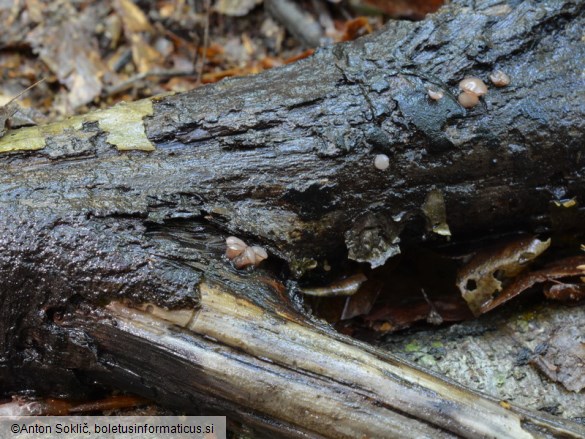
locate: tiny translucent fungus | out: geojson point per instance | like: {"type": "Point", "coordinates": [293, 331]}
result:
{"type": "Point", "coordinates": [381, 162]}
{"type": "Point", "coordinates": [499, 78]}
{"type": "Point", "coordinates": [235, 247]}
{"type": "Point", "coordinates": [474, 86]}
{"type": "Point", "coordinates": [260, 253]}
{"type": "Point", "coordinates": [468, 100]}
{"type": "Point", "coordinates": [243, 255]}
{"type": "Point", "coordinates": [435, 95]}
{"type": "Point", "coordinates": [471, 90]}
{"type": "Point", "coordinates": [248, 257]}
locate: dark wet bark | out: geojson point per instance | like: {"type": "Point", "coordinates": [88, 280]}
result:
{"type": "Point", "coordinates": [284, 160]}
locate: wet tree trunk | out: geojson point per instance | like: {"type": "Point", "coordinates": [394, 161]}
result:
{"type": "Point", "coordinates": [109, 220]}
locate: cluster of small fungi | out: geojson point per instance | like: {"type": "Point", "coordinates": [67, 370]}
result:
{"type": "Point", "coordinates": [242, 255]}
{"type": "Point", "coordinates": [472, 88]}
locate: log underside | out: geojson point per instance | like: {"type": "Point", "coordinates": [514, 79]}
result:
{"type": "Point", "coordinates": [97, 243]}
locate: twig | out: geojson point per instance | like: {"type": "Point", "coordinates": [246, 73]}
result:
{"type": "Point", "coordinates": [203, 58]}
{"type": "Point", "coordinates": [301, 25]}
{"type": "Point", "coordinates": [24, 91]}
{"type": "Point", "coordinates": [124, 85]}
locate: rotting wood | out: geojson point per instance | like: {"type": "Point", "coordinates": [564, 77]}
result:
{"type": "Point", "coordinates": [285, 159]}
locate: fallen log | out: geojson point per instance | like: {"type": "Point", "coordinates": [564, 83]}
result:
{"type": "Point", "coordinates": [111, 219]}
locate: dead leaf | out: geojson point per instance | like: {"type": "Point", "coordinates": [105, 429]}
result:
{"type": "Point", "coordinates": [550, 275]}
{"type": "Point", "coordinates": [481, 278]}
{"type": "Point", "coordinates": [355, 28]}
{"type": "Point", "coordinates": [307, 53]}
{"type": "Point", "coordinates": [565, 292]}
{"type": "Point", "coordinates": [392, 317]}
{"type": "Point", "coordinates": [436, 213]}
{"type": "Point", "coordinates": [362, 302]}
{"type": "Point", "coordinates": [113, 30]}
{"type": "Point", "coordinates": [146, 58]}
{"type": "Point", "coordinates": [418, 286]}
{"type": "Point", "coordinates": [66, 44]}
{"type": "Point", "coordinates": [6, 112]}
{"type": "Point", "coordinates": [413, 9]}
{"type": "Point", "coordinates": [236, 8]}
{"type": "Point", "coordinates": [10, 109]}
{"type": "Point", "coordinates": [133, 19]}
{"type": "Point", "coordinates": [15, 24]}
{"type": "Point", "coordinates": [373, 238]}
{"type": "Point", "coordinates": [35, 10]}
{"type": "Point", "coordinates": [564, 360]}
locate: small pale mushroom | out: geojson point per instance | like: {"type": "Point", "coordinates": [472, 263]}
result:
{"type": "Point", "coordinates": [248, 257]}
{"type": "Point", "coordinates": [235, 247]}
{"type": "Point", "coordinates": [473, 85]}
{"type": "Point", "coordinates": [435, 95]}
{"type": "Point", "coordinates": [243, 255]}
{"type": "Point", "coordinates": [468, 100]}
{"type": "Point", "coordinates": [472, 89]}
{"type": "Point", "coordinates": [260, 253]}
{"type": "Point", "coordinates": [499, 78]}
{"type": "Point", "coordinates": [382, 162]}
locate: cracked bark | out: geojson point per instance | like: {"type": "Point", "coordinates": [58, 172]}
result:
{"type": "Point", "coordinates": [285, 159]}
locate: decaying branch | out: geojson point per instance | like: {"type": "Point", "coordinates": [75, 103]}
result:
{"type": "Point", "coordinates": [111, 219]}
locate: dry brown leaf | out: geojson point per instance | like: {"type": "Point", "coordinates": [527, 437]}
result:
{"type": "Point", "coordinates": [6, 112]}
{"type": "Point", "coordinates": [11, 115]}
{"type": "Point", "coordinates": [435, 213]}
{"type": "Point", "coordinates": [133, 19]}
{"type": "Point", "coordinates": [15, 24]}
{"type": "Point", "coordinates": [397, 316]}
{"type": "Point", "coordinates": [236, 8]}
{"type": "Point", "coordinates": [556, 290]}
{"type": "Point", "coordinates": [564, 360]}
{"type": "Point", "coordinates": [35, 10]}
{"type": "Point", "coordinates": [481, 278]}
{"type": "Point", "coordinates": [356, 28]}
{"type": "Point", "coordinates": [565, 292]}
{"type": "Point", "coordinates": [415, 287]}
{"type": "Point", "coordinates": [146, 58]}
{"type": "Point", "coordinates": [67, 46]}
{"type": "Point", "coordinates": [113, 30]}
{"type": "Point", "coordinates": [414, 9]}
{"type": "Point", "coordinates": [307, 53]}
{"type": "Point", "coordinates": [362, 302]}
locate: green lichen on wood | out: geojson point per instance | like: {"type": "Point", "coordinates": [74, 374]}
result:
{"type": "Point", "coordinates": [122, 123]}
{"type": "Point", "coordinates": [24, 139]}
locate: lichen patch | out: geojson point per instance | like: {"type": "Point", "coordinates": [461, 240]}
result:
{"type": "Point", "coordinates": [123, 125]}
